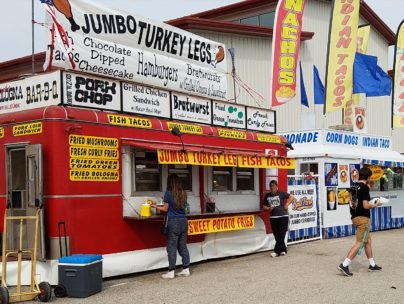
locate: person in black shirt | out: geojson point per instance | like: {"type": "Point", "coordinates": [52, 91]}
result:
{"type": "Point", "coordinates": [278, 203]}
{"type": "Point", "coordinates": [361, 220]}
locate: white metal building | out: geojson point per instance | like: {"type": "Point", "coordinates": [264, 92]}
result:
{"type": "Point", "coordinates": [247, 27]}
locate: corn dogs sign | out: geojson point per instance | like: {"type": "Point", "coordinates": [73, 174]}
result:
{"type": "Point", "coordinates": [285, 49]}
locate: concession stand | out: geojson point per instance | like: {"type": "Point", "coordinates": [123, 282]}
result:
{"type": "Point", "coordinates": [94, 151]}
{"type": "Point", "coordinates": [336, 157]}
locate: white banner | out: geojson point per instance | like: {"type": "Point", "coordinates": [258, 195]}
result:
{"type": "Point", "coordinates": [188, 108]}
{"type": "Point", "coordinates": [30, 93]}
{"type": "Point", "coordinates": [261, 120]}
{"type": "Point", "coordinates": [303, 211]}
{"type": "Point", "coordinates": [144, 100]}
{"type": "Point", "coordinates": [228, 115]}
{"type": "Point", "coordinates": [133, 48]}
{"type": "Point", "coordinates": [91, 92]}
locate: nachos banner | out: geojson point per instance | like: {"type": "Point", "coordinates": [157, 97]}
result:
{"type": "Point", "coordinates": [341, 54]}
{"type": "Point", "coordinates": [398, 83]}
{"type": "Point", "coordinates": [285, 50]}
{"type": "Point", "coordinates": [115, 44]}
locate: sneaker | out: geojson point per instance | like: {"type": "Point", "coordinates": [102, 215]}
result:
{"type": "Point", "coordinates": [169, 275]}
{"type": "Point", "coordinates": [283, 253]}
{"type": "Point", "coordinates": [184, 273]}
{"type": "Point", "coordinates": [274, 254]}
{"type": "Point", "coordinates": [345, 270]}
{"type": "Point", "coordinates": [374, 268]}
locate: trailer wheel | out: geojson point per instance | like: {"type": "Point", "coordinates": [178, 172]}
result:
{"type": "Point", "coordinates": [46, 292]}
{"type": "Point", "coordinates": [60, 291]}
{"type": "Point", "coordinates": [4, 296]}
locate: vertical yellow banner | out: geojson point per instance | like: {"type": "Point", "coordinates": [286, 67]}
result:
{"type": "Point", "coordinates": [398, 83]}
{"type": "Point", "coordinates": [341, 53]}
{"type": "Point", "coordinates": [363, 39]}
{"type": "Point", "coordinates": [362, 47]}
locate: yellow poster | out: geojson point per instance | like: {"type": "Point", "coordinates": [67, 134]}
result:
{"type": "Point", "coordinates": [88, 152]}
{"type": "Point", "coordinates": [268, 138]}
{"type": "Point", "coordinates": [363, 39]}
{"type": "Point", "coordinates": [96, 175]}
{"type": "Point", "coordinates": [27, 129]}
{"type": "Point", "coordinates": [232, 133]}
{"type": "Point", "coordinates": [93, 141]}
{"type": "Point", "coordinates": [221, 224]}
{"type": "Point", "coordinates": [377, 173]}
{"type": "Point", "coordinates": [362, 47]}
{"type": "Point", "coordinates": [341, 54]}
{"type": "Point", "coordinates": [196, 158]}
{"type": "Point", "coordinates": [1, 132]}
{"type": "Point", "coordinates": [398, 83]}
{"type": "Point", "coordinates": [252, 161]}
{"type": "Point", "coordinates": [185, 128]}
{"type": "Point", "coordinates": [223, 160]}
{"type": "Point", "coordinates": [93, 158]}
{"type": "Point", "coordinates": [128, 121]}
{"type": "Point", "coordinates": [94, 164]}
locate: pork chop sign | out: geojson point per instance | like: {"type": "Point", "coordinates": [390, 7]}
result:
{"type": "Point", "coordinates": [95, 39]}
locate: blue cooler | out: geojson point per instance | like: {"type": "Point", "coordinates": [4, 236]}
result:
{"type": "Point", "coordinates": [80, 274]}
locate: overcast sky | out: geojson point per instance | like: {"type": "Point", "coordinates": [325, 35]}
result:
{"type": "Point", "coordinates": [15, 18]}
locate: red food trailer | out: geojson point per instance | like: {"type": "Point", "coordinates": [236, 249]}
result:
{"type": "Point", "coordinates": [93, 167]}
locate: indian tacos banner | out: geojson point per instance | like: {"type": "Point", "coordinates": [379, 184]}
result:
{"type": "Point", "coordinates": [398, 83]}
{"type": "Point", "coordinates": [341, 54]}
{"type": "Point", "coordinates": [285, 50]}
{"type": "Point", "coordinates": [95, 39]}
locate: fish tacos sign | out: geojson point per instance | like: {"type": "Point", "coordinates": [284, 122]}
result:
{"type": "Point", "coordinates": [133, 48]}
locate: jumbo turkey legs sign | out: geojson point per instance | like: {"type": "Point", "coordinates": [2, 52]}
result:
{"type": "Point", "coordinates": [94, 39]}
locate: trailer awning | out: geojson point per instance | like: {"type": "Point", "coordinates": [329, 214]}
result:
{"type": "Point", "coordinates": [367, 156]}
{"type": "Point", "coordinates": [382, 158]}
{"type": "Point", "coordinates": [173, 153]}
{"type": "Point", "coordinates": [154, 146]}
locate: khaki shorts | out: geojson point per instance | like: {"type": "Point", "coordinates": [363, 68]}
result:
{"type": "Point", "coordinates": [360, 223]}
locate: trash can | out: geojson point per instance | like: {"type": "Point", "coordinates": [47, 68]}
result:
{"type": "Point", "coordinates": [80, 275]}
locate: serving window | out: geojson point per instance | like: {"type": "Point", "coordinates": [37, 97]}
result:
{"type": "Point", "coordinates": [233, 179]}
{"type": "Point", "coordinates": [392, 179]}
{"type": "Point", "coordinates": [245, 179]}
{"type": "Point", "coordinates": [184, 172]}
{"type": "Point", "coordinates": [222, 179]}
{"type": "Point", "coordinates": [147, 171]}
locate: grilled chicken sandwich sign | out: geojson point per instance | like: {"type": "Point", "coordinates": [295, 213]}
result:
{"type": "Point", "coordinates": [94, 39]}
{"type": "Point", "coordinates": [285, 50]}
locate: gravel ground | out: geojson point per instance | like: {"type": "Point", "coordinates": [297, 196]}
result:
{"type": "Point", "coordinates": [308, 274]}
